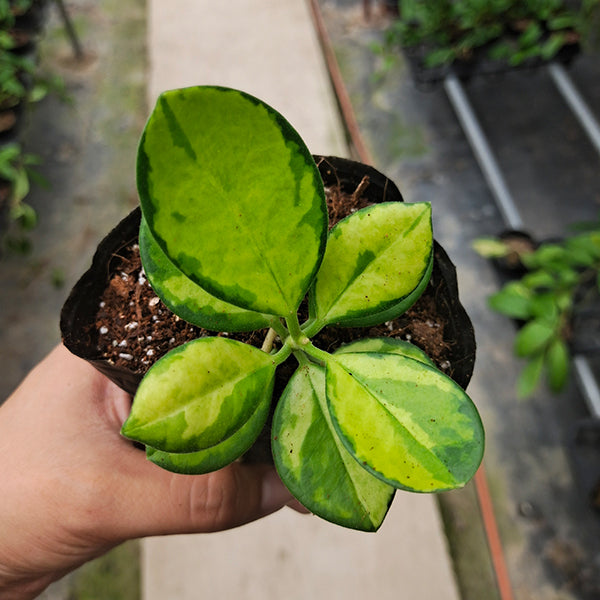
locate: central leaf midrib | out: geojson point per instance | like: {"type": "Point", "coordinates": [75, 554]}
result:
{"type": "Point", "coordinates": [343, 453]}
{"type": "Point", "coordinates": [231, 383]}
{"type": "Point", "coordinates": [358, 273]}
{"type": "Point", "coordinates": [247, 231]}
{"type": "Point", "coordinates": [360, 381]}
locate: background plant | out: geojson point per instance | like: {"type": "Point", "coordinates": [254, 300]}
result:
{"type": "Point", "coordinates": [560, 276]}
{"type": "Point", "coordinates": [17, 171]}
{"type": "Point", "coordinates": [16, 68]}
{"type": "Point", "coordinates": [21, 83]}
{"type": "Point", "coordinates": [234, 236]}
{"type": "Point", "coordinates": [509, 29]}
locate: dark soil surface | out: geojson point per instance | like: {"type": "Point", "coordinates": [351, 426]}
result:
{"type": "Point", "coordinates": [134, 328]}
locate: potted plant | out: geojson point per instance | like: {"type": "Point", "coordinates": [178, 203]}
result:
{"type": "Point", "coordinates": [23, 15]}
{"type": "Point", "coordinates": [15, 73]}
{"type": "Point", "coordinates": [16, 216]}
{"type": "Point", "coordinates": [471, 37]}
{"type": "Point", "coordinates": [553, 292]}
{"type": "Point", "coordinates": [22, 20]}
{"type": "Point", "coordinates": [234, 238]}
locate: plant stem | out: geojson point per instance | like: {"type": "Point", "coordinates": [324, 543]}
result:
{"type": "Point", "coordinates": [302, 358]}
{"type": "Point", "coordinates": [281, 331]}
{"type": "Point", "coordinates": [320, 356]}
{"type": "Point", "coordinates": [297, 335]}
{"type": "Point", "coordinates": [312, 327]}
{"type": "Point", "coordinates": [282, 354]}
{"type": "Point", "coordinates": [268, 341]}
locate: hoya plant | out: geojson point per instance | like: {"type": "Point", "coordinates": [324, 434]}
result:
{"type": "Point", "coordinates": [561, 279]}
{"type": "Point", "coordinates": [234, 237]}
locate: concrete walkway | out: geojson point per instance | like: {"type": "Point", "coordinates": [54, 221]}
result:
{"type": "Point", "coordinates": [268, 48]}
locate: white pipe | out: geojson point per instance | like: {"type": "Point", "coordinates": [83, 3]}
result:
{"type": "Point", "coordinates": [587, 384]}
{"type": "Point", "coordinates": [482, 151]}
{"type": "Point", "coordinates": [573, 98]}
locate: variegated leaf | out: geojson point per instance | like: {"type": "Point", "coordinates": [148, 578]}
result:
{"type": "Point", "coordinates": [186, 298]}
{"type": "Point", "coordinates": [386, 346]}
{"type": "Point", "coordinates": [200, 394]}
{"type": "Point", "coordinates": [216, 457]}
{"type": "Point", "coordinates": [313, 462]}
{"type": "Point", "coordinates": [406, 422]}
{"type": "Point", "coordinates": [377, 263]}
{"type": "Point", "coordinates": [233, 197]}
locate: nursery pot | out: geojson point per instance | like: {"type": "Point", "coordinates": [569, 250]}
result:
{"type": "Point", "coordinates": [11, 120]}
{"type": "Point", "coordinates": [518, 242]}
{"type": "Point", "coordinates": [32, 19]}
{"type": "Point", "coordinates": [78, 318]}
{"type": "Point", "coordinates": [584, 325]}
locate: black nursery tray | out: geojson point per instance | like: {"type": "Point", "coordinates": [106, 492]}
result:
{"type": "Point", "coordinates": [480, 65]}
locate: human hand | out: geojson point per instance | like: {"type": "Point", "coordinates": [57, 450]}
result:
{"type": "Point", "coordinates": [72, 487]}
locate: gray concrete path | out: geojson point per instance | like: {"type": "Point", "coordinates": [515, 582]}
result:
{"type": "Point", "coordinates": [268, 48]}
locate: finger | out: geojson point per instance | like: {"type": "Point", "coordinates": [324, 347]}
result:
{"type": "Point", "coordinates": [158, 502]}
{"type": "Point", "coordinates": [298, 507]}
{"type": "Point", "coordinates": [139, 498]}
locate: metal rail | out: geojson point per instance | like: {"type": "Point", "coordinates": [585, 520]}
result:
{"type": "Point", "coordinates": [586, 380]}
{"type": "Point", "coordinates": [70, 30]}
{"type": "Point", "coordinates": [483, 153]}
{"type": "Point", "coordinates": [573, 98]}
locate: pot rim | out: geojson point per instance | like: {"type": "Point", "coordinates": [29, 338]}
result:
{"type": "Point", "coordinates": [77, 321]}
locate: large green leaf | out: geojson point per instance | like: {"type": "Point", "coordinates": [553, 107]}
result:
{"type": "Point", "coordinates": [376, 264]}
{"type": "Point", "coordinates": [313, 462]}
{"type": "Point", "coordinates": [406, 422]}
{"type": "Point", "coordinates": [233, 197]}
{"type": "Point", "coordinates": [186, 298]}
{"type": "Point", "coordinates": [215, 457]}
{"type": "Point", "coordinates": [200, 394]}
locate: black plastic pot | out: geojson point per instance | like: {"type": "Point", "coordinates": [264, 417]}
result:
{"type": "Point", "coordinates": [11, 121]}
{"type": "Point", "coordinates": [78, 315]}
{"type": "Point", "coordinates": [510, 266]}
{"type": "Point", "coordinates": [34, 18]}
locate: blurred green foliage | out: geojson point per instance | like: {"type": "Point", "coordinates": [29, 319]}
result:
{"type": "Point", "coordinates": [510, 30]}
{"type": "Point", "coordinates": [559, 277]}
